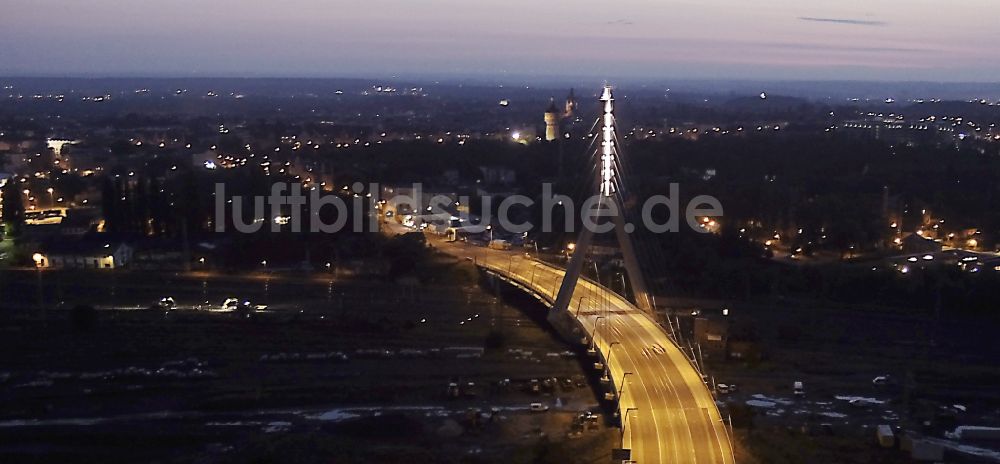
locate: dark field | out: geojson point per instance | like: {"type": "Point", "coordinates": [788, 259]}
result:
{"type": "Point", "coordinates": [344, 373]}
{"type": "Point", "coordinates": [929, 364]}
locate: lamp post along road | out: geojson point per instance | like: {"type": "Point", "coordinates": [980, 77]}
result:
{"type": "Point", "coordinates": [579, 304]}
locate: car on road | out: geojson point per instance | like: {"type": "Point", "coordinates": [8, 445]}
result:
{"type": "Point", "coordinates": [798, 389]}
{"type": "Point", "coordinates": [538, 407]}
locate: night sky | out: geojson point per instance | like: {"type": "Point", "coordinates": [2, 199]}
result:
{"type": "Point", "coordinates": [784, 39]}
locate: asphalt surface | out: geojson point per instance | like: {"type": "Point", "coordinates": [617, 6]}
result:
{"type": "Point", "coordinates": [669, 414]}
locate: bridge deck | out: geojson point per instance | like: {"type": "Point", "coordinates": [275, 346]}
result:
{"type": "Point", "coordinates": [675, 418]}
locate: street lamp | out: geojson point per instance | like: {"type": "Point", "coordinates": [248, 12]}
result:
{"type": "Point", "coordinates": [39, 260]}
{"type": "Point", "coordinates": [579, 304]}
{"type": "Point", "coordinates": [597, 321]}
{"type": "Point", "coordinates": [593, 337]}
{"type": "Point", "coordinates": [625, 420]}
{"type": "Point", "coordinates": [621, 386]}
{"type": "Point", "coordinates": [607, 360]}
{"type": "Point", "coordinates": [267, 282]}
{"type": "Point", "coordinates": [52, 201]}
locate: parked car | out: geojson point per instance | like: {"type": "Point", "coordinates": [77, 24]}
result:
{"type": "Point", "coordinates": [588, 417]}
{"type": "Point", "coordinates": [166, 303]}
{"type": "Point", "coordinates": [234, 304]}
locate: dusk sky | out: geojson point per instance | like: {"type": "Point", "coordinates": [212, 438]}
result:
{"type": "Point", "coordinates": [645, 39]}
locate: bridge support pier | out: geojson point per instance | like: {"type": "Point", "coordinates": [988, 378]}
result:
{"type": "Point", "coordinates": [567, 326]}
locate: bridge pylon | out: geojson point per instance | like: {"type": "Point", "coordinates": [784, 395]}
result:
{"type": "Point", "coordinates": [608, 212]}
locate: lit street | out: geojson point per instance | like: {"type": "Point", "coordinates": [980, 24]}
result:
{"type": "Point", "coordinates": [672, 415]}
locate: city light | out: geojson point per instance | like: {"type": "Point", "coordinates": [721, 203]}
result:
{"type": "Point", "coordinates": [440, 200]}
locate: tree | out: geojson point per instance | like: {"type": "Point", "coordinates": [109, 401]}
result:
{"type": "Point", "coordinates": [110, 204]}
{"type": "Point", "coordinates": [13, 210]}
{"type": "Point", "coordinates": [404, 252]}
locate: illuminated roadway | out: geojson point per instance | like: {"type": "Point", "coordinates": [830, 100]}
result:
{"type": "Point", "coordinates": [675, 418]}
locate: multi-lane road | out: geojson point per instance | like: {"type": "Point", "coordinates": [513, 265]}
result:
{"type": "Point", "coordinates": [670, 415]}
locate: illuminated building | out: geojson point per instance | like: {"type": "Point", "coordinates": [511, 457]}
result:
{"type": "Point", "coordinates": [552, 122]}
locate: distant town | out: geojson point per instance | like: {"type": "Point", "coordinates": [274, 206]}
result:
{"type": "Point", "coordinates": [840, 306]}
{"type": "Point", "coordinates": [120, 177]}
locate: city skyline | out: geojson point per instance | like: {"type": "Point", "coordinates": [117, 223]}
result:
{"type": "Point", "coordinates": [887, 41]}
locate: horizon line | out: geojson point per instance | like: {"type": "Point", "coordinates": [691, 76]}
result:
{"type": "Point", "coordinates": [485, 78]}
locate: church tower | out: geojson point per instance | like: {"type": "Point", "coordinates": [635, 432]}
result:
{"type": "Point", "coordinates": [552, 118]}
{"type": "Point", "coordinates": [570, 105]}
